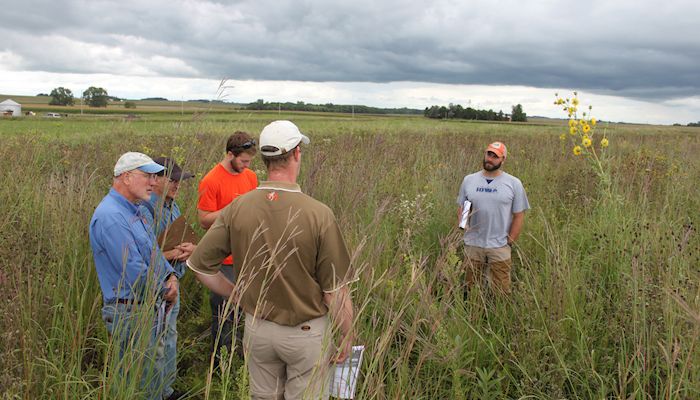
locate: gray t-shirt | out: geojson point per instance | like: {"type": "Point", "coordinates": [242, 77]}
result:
{"type": "Point", "coordinates": [494, 201]}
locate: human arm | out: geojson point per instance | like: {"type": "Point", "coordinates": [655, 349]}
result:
{"type": "Point", "coordinates": [207, 218]}
{"type": "Point", "coordinates": [217, 283]}
{"type": "Point", "coordinates": [206, 257]}
{"type": "Point", "coordinates": [129, 249]}
{"type": "Point", "coordinates": [341, 313]}
{"type": "Point", "coordinates": [461, 200]}
{"type": "Point", "coordinates": [515, 227]}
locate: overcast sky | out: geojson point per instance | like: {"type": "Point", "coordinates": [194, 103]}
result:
{"type": "Point", "coordinates": [633, 60]}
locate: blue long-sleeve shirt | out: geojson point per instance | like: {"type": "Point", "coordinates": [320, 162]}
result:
{"type": "Point", "coordinates": [125, 250]}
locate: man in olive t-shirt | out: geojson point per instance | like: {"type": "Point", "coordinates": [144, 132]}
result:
{"type": "Point", "coordinates": [294, 271]}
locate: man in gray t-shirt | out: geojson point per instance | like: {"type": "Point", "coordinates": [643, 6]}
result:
{"type": "Point", "coordinates": [498, 204]}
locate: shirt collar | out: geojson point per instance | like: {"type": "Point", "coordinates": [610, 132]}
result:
{"type": "Point", "coordinates": [120, 199]}
{"type": "Point", "coordinates": [277, 185]}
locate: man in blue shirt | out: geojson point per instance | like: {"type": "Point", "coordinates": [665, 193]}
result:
{"type": "Point", "coordinates": [136, 280]}
{"type": "Point", "coordinates": [160, 211]}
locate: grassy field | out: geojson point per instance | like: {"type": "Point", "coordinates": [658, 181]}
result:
{"type": "Point", "coordinates": [606, 285]}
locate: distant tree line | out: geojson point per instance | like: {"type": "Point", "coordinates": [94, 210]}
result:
{"type": "Point", "coordinates": [92, 96]}
{"type": "Point", "coordinates": [695, 124]}
{"type": "Point", "coordinates": [457, 111]}
{"type": "Point", "coordinates": [328, 107]}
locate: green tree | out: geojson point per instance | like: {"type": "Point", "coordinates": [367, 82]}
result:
{"type": "Point", "coordinates": [96, 97]}
{"type": "Point", "coordinates": [61, 96]}
{"type": "Point", "coordinates": [129, 104]}
{"type": "Point", "coordinates": [518, 115]}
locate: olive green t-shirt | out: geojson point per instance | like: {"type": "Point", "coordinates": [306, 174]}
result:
{"type": "Point", "coordinates": [287, 247]}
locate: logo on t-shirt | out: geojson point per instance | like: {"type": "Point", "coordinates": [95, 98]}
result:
{"type": "Point", "coordinates": [272, 196]}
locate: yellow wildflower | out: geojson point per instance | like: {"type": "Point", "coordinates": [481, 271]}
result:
{"type": "Point", "coordinates": [577, 150]}
{"type": "Point", "coordinates": [572, 110]}
{"type": "Point", "coordinates": [574, 101]}
{"type": "Point", "coordinates": [586, 142]}
{"type": "Point", "coordinates": [593, 121]}
{"type": "Point", "coordinates": [586, 128]}
{"type": "Point", "coordinates": [572, 123]}
{"type": "Point", "coordinates": [572, 130]}
{"type": "Point", "coordinates": [604, 143]}
{"type": "Point", "coordinates": [562, 136]}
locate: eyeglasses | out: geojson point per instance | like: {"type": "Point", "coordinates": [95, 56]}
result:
{"type": "Point", "coordinates": [146, 175]}
{"type": "Point", "coordinates": [246, 145]}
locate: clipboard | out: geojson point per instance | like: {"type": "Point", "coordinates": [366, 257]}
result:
{"type": "Point", "coordinates": [179, 231]}
{"type": "Point", "coordinates": [344, 379]}
{"type": "Point", "coordinates": [466, 210]}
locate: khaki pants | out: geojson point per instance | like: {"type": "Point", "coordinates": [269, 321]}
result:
{"type": "Point", "coordinates": [494, 263]}
{"type": "Point", "coordinates": [287, 362]}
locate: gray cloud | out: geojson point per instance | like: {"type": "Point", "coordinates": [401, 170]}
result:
{"type": "Point", "coordinates": [646, 50]}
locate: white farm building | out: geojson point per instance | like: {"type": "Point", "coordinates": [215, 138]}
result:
{"type": "Point", "coordinates": [10, 108]}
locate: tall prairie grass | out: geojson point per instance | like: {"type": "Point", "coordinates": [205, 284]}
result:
{"type": "Point", "coordinates": [605, 288]}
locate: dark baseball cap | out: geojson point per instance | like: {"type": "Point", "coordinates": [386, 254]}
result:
{"type": "Point", "coordinates": [172, 170]}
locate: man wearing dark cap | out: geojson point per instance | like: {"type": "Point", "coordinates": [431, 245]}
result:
{"type": "Point", "coordinates": [294, 275]}
{"type": "Point", "coordinates": [161, 211]}
{"type": "Point", "coordinates": [496, 203]}
{"type": "Point", "coordinates": [228, 179]}
{"type": "Point", "coordinates": [135, 279]}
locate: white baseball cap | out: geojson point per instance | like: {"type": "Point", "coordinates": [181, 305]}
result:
{"type": "Point", "coordinates": [279, 137]}
{"type": "Point", "coordinates": [132, 160]}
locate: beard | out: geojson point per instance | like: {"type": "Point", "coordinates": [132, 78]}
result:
{"type": "Point", "coordinates": [235, 167]}
{"type": "Point", "coordinates": [491, 167]}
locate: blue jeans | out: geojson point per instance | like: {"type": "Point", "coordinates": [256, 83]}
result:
{"type": "Point", "coordinates": [170, 348]}
{"type": "Point", "coordinates": [126, 323]}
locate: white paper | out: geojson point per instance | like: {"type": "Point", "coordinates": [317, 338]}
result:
{"type": "Point", "coordinates": [345, 376]}
{"type": "Point", "coordinates": [464, 221]}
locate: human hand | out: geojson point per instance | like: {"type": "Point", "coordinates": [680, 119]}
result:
{"type": "Point", "coordinates": [186, 250]}
{"type": "Point", "coordinates": [173, 286]}
{"type": "Point", "coordinates": [344, 350]}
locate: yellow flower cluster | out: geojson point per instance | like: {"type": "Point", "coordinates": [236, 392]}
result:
{"type": "Point", "coordinates": [581, 130]}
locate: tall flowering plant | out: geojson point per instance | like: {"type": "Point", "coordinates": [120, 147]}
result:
{"type": "Point", "coordinates": [585, 141]}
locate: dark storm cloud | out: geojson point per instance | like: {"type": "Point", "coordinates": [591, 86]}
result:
{"type": "Point", "coordinates": [636, 49]}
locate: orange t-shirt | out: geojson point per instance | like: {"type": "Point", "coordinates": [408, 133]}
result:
{"type": "Point", "coordinates": [219, 187]}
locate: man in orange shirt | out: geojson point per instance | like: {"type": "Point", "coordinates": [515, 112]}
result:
{"type": "Point", "coordinates": [229, 179]}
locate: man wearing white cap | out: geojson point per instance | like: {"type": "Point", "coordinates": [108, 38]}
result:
{"type": "Point", "coordinates": [295, 270]}
{"type": "Point", "coordinates": [136, 280]}
{"type": "Point", "coordinates": [496, 203]}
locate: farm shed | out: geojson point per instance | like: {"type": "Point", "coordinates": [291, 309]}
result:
{"type": "Point", "coordinates": [9, 107]}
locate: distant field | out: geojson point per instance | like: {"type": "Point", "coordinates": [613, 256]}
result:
{"type": "Point", "coordinates": [606, 283]}
{"type": "Point", "coordinates": [41, 104]}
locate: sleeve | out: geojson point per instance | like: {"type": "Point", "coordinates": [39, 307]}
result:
{"type": "Point", "coordinates": [333, 263]}
{"type": "Point", "coordinates": [462, 195]}
{"type": "Point", "coordinates": [213, 247]}
{"type": "Point", "coordinates": [120, 246]}
{"type": "Point", "coordinates": [207, 196]}
{"type": "Point", "coordinates": [520, 202]}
